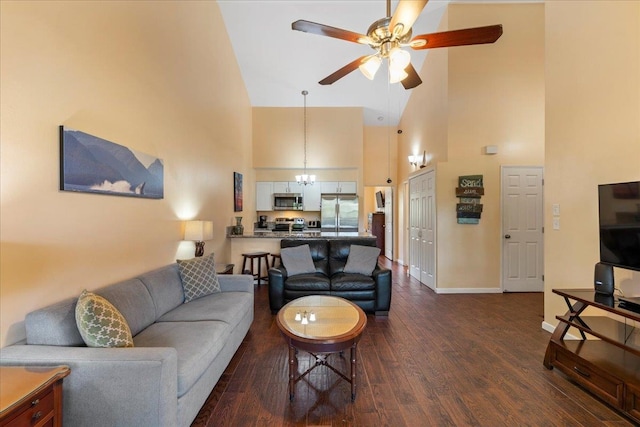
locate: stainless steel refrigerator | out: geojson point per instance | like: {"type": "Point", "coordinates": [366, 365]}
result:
{"type": "Point", "coordinates": [339, 212]}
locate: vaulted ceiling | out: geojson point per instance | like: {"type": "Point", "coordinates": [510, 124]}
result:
{"type": "Point", "coordinates": [277, 63]}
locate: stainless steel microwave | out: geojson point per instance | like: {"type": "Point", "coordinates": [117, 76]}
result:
{"type": "Point", "coordinates": [287, 201]}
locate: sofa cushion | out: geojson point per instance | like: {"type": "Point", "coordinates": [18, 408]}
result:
{"type": "Point", "coordinates": [196, 343]}
{"type": "Point", "coordinates": [54, 325]}
{"type": "Point", "coordinates": [165, 287]}
{"type": "Point", "coordinates": [297, 260]}
{"type": "Point", "coordinates": [198, 276]}
{"type": "Point", "coordinates": [362, 260]}
{"type": "Point", "coordinates": [100, 323]}
{"type": "Point", "coordinates": [342, 282]}
{"type": "Point", "coordinates": [133, 300]}
{"type": "Point", "coordinates": [308, 282]}
{"type": "Point", "coordinates": [228, 307]}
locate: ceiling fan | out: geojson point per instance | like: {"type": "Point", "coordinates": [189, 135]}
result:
{"type": "Point", "coordinates": [387, 36]}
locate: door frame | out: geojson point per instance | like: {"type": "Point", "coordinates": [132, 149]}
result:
{"type": "Point", "coordinates": [504, 168]}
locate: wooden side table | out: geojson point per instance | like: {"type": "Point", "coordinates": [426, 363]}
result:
{"type": "Point", "coordinates": [31, 395]}
{"type": "Point", "coordinates": [224, 268]}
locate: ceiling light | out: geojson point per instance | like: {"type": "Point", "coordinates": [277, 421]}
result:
{"type": "Point", "coordinates": [399, 58]}
{"type": "Point", "coordinates": [397, 75]}
{"type": "Point", "coordinates": [305, 179]}
{"type": "Point", "coordinates": [370, 66]}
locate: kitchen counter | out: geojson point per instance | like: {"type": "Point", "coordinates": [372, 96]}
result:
{"type": "Point", "coordinates": [307, 234]}
{"type": "Point", "coordinates": [269, 241]}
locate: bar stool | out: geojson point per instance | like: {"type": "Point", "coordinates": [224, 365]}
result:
{"type": "Point", "coordinates": [252, 256]}
{"type": "Point", "coordinates": [275, 257]}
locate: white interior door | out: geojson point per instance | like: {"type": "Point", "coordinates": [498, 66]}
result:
{"type": "Point", "coordinates": [422, 228]}
{"type": "Point", "coordinates": [415, 252]}
{"type": "Point", "coordinates": [388, 222]}
{"type": "Point", "coordinates": [428, 230]}
{"type": "Point", "coordinates": [522, 229]}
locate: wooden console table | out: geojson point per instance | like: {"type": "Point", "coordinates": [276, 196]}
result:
{"type": "Point", "coordinates": [608, 367]}
{"type": "Point", "coordinates": [31, 396]}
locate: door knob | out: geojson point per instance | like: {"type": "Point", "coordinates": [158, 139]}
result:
{"type": "Point", "coordinates": [507, 236]}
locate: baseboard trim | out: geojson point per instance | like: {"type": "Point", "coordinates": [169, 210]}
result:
{"type": "Point", "coordinates": [550, 328]}
{"type": "Point", "coordinates": [468, 290]}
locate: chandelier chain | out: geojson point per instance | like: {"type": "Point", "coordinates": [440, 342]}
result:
{"type": "Point", "coordinates": [305, 93]}
{"type": "Point", "coordinates": [305, 179]}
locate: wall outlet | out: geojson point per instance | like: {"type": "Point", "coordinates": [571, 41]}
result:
{"type": "Point", "coordinates": [556, 223]}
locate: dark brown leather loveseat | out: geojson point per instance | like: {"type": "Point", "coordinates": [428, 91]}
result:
{"type": "Point", "coordinates": [371, 293]}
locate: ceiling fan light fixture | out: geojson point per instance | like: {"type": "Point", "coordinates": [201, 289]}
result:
{"type": "Point", "coordinates": [399, 58]}
{"type": "Point", "coordinates": [369, 67]}
{"type": "Point", "coordinates": [397, 75]}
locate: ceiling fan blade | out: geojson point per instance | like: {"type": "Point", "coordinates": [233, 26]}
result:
{"type": "Point", "coordinates": [413, 79]}
{"type": "Point", "coordinates": [332, 78]}
{"type": "Point", "coordinates": [325, 30]}
{"type": "Point", "coordinates": [479, 35]}
{"type": "Point", "coordinates": [406, 14]}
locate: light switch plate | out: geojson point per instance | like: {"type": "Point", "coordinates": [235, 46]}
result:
{"type": "Point", "coordinates": [556, 223]}
{"type": "Point", "coordinates": [556, 209]}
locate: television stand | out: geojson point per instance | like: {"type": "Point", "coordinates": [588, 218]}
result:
{"type": "Point", "coordinates": [607, 366]}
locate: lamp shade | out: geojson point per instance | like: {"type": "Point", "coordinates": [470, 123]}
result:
{"type": "Point", "coordinates": [399, 58]}
{"type": "Point", "coordinates": [397, 75]}
{"type": "Point", "coordinates": [370, 66]}
{"type": "Point", "coordinates": [198, 231]}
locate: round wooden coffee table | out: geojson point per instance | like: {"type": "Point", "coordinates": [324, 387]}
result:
{"type": "Point", "coordinates": [321, 325]}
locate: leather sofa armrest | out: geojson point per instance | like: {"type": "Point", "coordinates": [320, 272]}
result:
{"type": "Point", "coordinates": [382, 277]}
{"type": "Point", "coordinates": [277, 277]}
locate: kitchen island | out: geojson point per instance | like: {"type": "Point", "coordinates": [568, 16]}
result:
{"type": "Point", "coordinates": [269, 241]}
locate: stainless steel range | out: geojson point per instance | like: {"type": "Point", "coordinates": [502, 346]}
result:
{"type": "Point", "coordinates": [289, 224]}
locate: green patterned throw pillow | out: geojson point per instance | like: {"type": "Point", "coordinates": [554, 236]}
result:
{"type": "Point", "coordinates": [100, 323]}
{"type": "Point", "coordinates": [198, 277]}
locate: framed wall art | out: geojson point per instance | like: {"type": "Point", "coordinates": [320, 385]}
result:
{"type": "Point", "coordinates": [237, 192]}
{"type": "Point", "coordinates": [90, 164]}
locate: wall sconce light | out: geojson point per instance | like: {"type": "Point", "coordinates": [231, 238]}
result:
{"type": "Point", "coordinates": [198, 231]}
{"type": "Point", "coordinates": [413, 160]}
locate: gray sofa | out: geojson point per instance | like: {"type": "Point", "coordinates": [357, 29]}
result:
{"type": "Point", "coordinates": [180, 351]}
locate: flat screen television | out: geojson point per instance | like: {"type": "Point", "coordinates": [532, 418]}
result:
{"type": "Point", "coordinates": [379, 200]}
{"type": "Point", "coordinates": [619, 222]}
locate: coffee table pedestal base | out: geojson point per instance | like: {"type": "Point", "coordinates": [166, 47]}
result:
{"type": "Point", "coordinates": [321, 360]}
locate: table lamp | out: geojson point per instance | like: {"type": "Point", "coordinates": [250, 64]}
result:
{"type": "Point", "coordinates": [198, 231]}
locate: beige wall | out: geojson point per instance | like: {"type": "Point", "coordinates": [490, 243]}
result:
{"type": "Point", "coordinates": [474, 96]}
{"type": "Point", "coordinates": [334, 139]}
{"type": "Point", "coordinates": [144, 75]}
{"type": "Point", "coordinates": [424, 121]}
{"type": "Point", "coordinates": [592, 132]}
{"type": "Point", "coordinates": [380, 155]}
{"type": "Point", "coordinates": [335, 145]}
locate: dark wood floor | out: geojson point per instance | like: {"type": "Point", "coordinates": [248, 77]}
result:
{"type": "Point", "coordinates": [437, 360]}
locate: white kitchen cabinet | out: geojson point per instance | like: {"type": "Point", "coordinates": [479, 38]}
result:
{"type": "Point", "coordinates": [339, 187]}
{"type": "Point", "coordinates": [287, 187]}
{"type": "Point", "coordinates": [348, 187]}
{"type": "Point", "coordinates": [264, 196]}
{"type": "Point", "coordinates": [311, 199]}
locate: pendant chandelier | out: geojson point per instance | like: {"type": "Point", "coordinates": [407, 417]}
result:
{"type": "Point", "coordinates": [305, 179]}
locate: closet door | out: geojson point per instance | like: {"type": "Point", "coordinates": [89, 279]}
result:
{"type": "Point", "coordinates": [422, 228]}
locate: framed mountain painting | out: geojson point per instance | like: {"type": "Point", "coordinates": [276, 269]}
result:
{"type": "Point", "coordinates": [90, 164]}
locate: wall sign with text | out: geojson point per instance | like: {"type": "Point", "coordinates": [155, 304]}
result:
{"type": "Point", "coordinates": [470, 189]}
